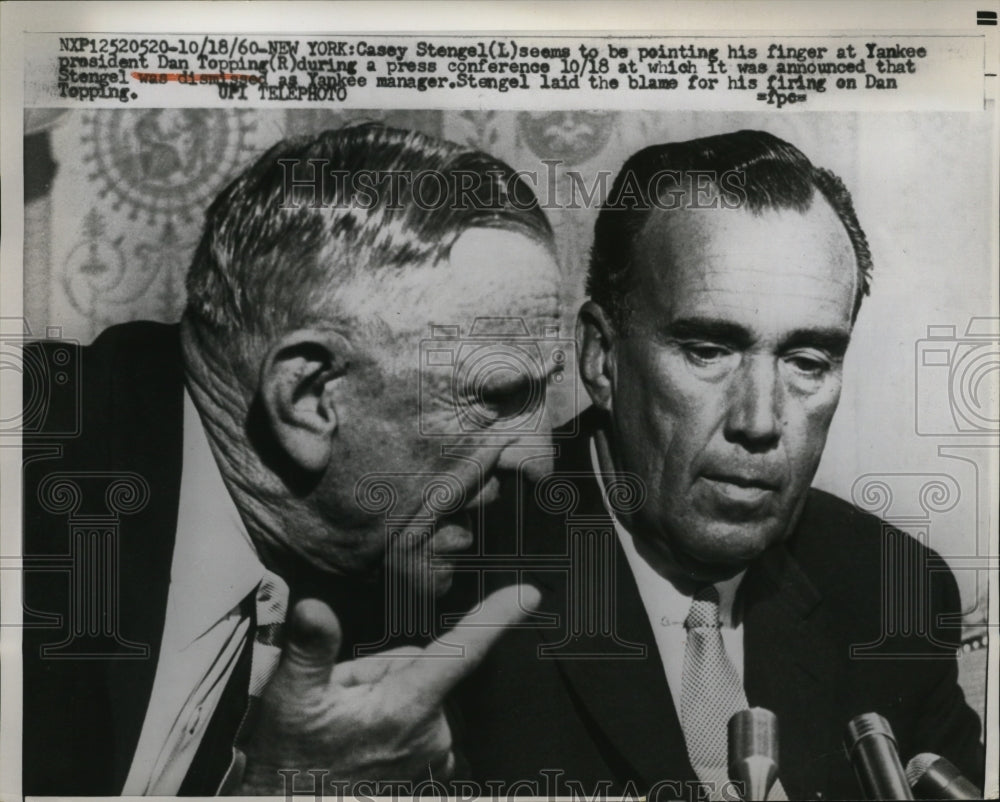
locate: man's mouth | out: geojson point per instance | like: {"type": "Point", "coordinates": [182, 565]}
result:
{"type": "Point", "coordinates": [742, 488]}
{"type": "Point", "coordinates": [453, 534]}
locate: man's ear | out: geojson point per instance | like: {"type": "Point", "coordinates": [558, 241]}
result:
{"type": "Point", "coordinates": [595, 338]}
{"type": "Point", "coordinates": [296, 388]}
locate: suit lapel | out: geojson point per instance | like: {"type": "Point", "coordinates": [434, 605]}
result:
{"type": "Point", "coordinates": [621, 689]}
{"type": "Point", "coordinates": [604, 646]}
{"type": "Point", "coordinates": [790, 655]}
{"type": "Point", "coordinates": [146, 430]}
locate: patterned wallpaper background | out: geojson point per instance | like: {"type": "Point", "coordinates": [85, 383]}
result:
{"type": "Point", "coordinates": [115, 200]}
{"type": "Point", "coordinates": [112, 240]}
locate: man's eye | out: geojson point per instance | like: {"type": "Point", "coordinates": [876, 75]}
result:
{"type": "Point", "coordinates": [510, 401]}
{"type": "Point", "coordinates": [809, 365]}
{"type": "Point", "coordinates": [705, 353]}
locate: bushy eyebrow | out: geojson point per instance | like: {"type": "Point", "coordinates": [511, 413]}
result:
{"type": "Point", "coordinates": [833, 341]}
{"type": "Point", "coordinates": [725, 332]}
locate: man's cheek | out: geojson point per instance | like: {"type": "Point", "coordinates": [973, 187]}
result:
{"type": "Point", "coordinates": [817, 420]}
{"type": "Point", "coordinates": [696, 406]}
{"type": "Point", "coordinates": [804, 451]}
{"type": "Point", "coordinates": [821, 406]}
{"type": "Point", "coordinates": [432, 418]}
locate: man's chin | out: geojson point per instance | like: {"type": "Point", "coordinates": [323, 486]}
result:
{"type": "Point", "coordinates": [724, 552]}
{"type": "Point", "coordinates": [710, 570]}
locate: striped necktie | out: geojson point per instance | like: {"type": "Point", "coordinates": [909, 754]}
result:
{"type": "Point", "coordinates": [271, 609]}
{"type": "Point", "coordinates": [220, 753]}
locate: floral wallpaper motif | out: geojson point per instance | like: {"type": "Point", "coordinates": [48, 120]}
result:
{"type": "Point", "coordinates": [108, 239]}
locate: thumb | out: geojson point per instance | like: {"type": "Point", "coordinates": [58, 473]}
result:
{"type": "Point", "coordinates": [312, 641]}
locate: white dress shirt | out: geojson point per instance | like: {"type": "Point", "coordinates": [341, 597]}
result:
{"type": "Point", "coordinates": [667, 607]}
{"type": "Point", "coordinates": [214, 568]}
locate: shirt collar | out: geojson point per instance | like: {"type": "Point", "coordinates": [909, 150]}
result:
{"type": "Point", "coordinates": [674, 600]}
{"type": "Point", "coordinates": [215, 564]}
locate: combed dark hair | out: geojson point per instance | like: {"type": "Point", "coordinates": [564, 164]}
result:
{"type": "Point", "coordinates": [766, 173]}
{"type": "Point", "coordinates": [278, 240]}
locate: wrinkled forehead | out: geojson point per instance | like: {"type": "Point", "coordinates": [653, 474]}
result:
{"type": "Point", "coordinates": [493, 281]}
{"type": "Point", "coordinates": [768, 252]}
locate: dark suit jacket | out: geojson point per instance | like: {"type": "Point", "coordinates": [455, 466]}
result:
{"type": "Point", "coordinates": [595, 708]}
{"type": "Point", "coordinates": [102, 468]}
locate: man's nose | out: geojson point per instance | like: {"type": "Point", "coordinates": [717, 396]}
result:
{"type": "Point", "coordinates": [755, 406]}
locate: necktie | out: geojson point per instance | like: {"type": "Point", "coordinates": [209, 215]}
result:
{"type": "Point", "coordinates": [219, 754]}
{"type": "Point", "coordinates": [271, 608]}
{"type": "Point", "coordinates": [711, 692]}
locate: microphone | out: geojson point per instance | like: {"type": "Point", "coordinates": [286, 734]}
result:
{"type": "Point", "coordinates": [871, 747]}
{"type": "Point", "coordinates": [934, 777]}
{"type": "Point", "coordinates": [753, 751]}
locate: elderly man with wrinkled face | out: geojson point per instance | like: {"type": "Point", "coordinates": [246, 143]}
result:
{"type": "Point", "coordinates": [695, 573]}
{"type": "Point", "coordinates": [255, 443]}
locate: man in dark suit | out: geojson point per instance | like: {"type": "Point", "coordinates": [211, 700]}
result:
{"type": "Point", "coordinates": [688, 570]}
{"type": "Point", "coordinates": [277, 454]}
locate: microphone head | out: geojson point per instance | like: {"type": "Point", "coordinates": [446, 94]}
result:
{"type": "Point", "coordinates": [934, 777]}
{"type": "Point", "coordinates": [861, 726]}
{"type": "Point", "coordinates": [753, 751]}
{"type": "Point", "coordinates": [918, 765]}
{"type": "Point", "coordinates": [871, 748]}
{"type": "Point", "coordinates": [753, 732]}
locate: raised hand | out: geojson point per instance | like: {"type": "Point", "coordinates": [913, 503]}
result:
{"type": "Point", "coordinates": [374, 718]}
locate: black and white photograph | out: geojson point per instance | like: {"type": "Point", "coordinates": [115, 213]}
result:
{"type": "Point", "coordinates": [494, 400]}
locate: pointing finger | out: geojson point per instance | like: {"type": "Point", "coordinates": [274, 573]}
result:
{"type": "Point", "coordinates": [475, 634]}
